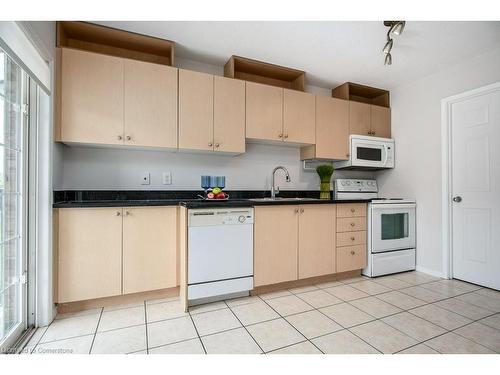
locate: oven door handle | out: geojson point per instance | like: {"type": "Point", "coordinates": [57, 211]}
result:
{"type": "Point", "coordinates": [393, 206]}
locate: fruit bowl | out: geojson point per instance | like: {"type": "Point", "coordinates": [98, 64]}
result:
{"type": "Point", "coordinates": [215, 195]}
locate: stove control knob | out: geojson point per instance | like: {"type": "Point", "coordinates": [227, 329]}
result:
{"type": "Point", "coordinates": [241, 219]}
{"type": "Point", "coordinates": [348, 182]}
{"type": "Point", "coordinates": [342, 183]}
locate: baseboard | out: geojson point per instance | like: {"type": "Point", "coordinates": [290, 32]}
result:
{"type": "Point", "coordinates": [430, 272]}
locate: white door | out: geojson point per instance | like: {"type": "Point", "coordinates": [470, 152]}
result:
{"type": "Point", "coordinates": [475, 129]}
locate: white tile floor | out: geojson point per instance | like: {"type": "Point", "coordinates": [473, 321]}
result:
{"type": "Point", "coordinates": [405, 313]}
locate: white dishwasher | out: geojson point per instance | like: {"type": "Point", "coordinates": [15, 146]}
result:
{"type": "Point", "coordinates": [220, 253]}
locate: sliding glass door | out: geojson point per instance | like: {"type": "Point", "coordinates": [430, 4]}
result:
{"type": "Point", "coordinates": [13, 261]}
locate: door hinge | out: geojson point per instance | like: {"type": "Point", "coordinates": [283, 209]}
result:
{"type": "Point", "coordinates": [23, 279]}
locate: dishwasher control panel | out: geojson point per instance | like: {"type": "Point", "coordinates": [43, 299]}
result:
{"type": "Point", "coordinates": [220, 216]}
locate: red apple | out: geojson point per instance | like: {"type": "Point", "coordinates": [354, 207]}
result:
{"type": "Point", "coordinates": [210, 195]}
{"type": "Point", "coordinates": [221, 195]}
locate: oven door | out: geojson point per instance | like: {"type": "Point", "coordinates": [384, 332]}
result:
{"type": "Point", "coordinates": [392, 227]}
{"type": "Point", "coordinates": [366, 153]}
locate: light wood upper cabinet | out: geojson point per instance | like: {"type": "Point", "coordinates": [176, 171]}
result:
{"type": "Point", "coordinates": [229, 115]}
{"type": "Point", "coordinates": [316, 240]}
{"type": "Point", "coordinates": [90, 253]}
{"type": "Point", "coordinates": [150, 104]}
{"type": "Point", "coordinates": [275, 244]}
{"type": "Point", "coordinates": [359, 118]}
{"type": "Point", "coordinates": [332, 130]}
{"type": "Point", "coordinates": [264, 112]}
{"type": "Point", "coordinates": [149, 248]}
{"type": "Point", "coordinates": [298, 117]}
{"type": "Point", "coordinates": [380, 121]}
{"type": "Point", "coordinates": [91, 98]}
{"type": "Point", "coordinates": [196, 110]}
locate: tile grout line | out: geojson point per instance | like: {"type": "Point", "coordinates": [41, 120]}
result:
{"type": "Point", "coordinates": [300, 333]}
{"type": "Point", "coordinates": [146, 323]}
{"type": "Point", "coordinates": [96, 328]}
{"type": "Point", "coordinates": [197, 333]}
{"type": "Point", "coordinates": [236, 316]}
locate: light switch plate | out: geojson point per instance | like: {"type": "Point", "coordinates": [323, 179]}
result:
{"type": "Point", "coordinates": [167, 178]}
{"type": "Point", "coordinates": [146, 178]}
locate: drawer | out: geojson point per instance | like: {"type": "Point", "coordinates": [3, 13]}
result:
{"type": "Point", "coordinates": [351, 238]}
{"type": "Point", "coordinates": [351, 209]}
{"type": "Point", "coordinates": [351, 258]}
{"type": "Point", "coordinates": [350, 224]}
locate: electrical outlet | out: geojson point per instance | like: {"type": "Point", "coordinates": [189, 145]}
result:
{"type": "Point", "coordinates": [167, 178]}
{"type": "Point", "coordinates": [146, 178]}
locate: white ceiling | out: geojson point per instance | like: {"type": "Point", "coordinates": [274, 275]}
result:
{"type": "Point", "coordinates": [330, 52]}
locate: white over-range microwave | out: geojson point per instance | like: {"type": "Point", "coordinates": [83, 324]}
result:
{"type": "Point", "coordinates": [368, 153]}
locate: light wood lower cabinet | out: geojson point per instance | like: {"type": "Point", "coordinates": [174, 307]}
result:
{"type": "Point", "coordinates": [105, 252]}
{"type": "Point", "coordinates": [351, 236]}
{"type": "Point", "coordinates": [351, 258]}
{"type": "Point", "coordinates": [275, 244]}
{"type": "Point", "coordinates": [90, 253]}
{"type": "Point", "coordinates": [316, 240]}
{"type": "Point", "coordinates": [149, 248]}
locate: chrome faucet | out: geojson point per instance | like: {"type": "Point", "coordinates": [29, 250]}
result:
{"type": "Point", "coordinates": [276, 190]}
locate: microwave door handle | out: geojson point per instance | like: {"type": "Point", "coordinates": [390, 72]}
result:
{"type": "Point", "coordinates": [386, 156]}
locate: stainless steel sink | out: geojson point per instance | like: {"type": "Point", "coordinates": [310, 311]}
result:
{"type": "Point", "coordinates": [282, 199]}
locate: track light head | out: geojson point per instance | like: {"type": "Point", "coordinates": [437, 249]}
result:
{"type": "Point", "coordinates": [388, 60]}
{"type": "Point", "coordinates": [388, 46]}
{"type": "Point", "coordinates": [397, 28]}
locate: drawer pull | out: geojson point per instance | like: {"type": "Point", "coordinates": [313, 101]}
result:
{"type": "Point", "coordinates": [353, 224]}
{"type": "Point", "coordinates": [296, 210]}
{"type": "Point", "coordinates": [301, 210]}
{"type": "Point", "coordinates": [353, 238]}
{"type": "Point", "coordinates": [353, 210]}
{"type": "Point", "coordinates": [353, 252]}
{"type": "Point", "coordinates": [118, 213]}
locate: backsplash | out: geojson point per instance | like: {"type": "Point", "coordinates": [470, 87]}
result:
{"type": "Point", "coordinates": [82, 168]}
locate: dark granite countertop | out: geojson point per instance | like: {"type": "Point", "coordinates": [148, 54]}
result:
{"type": "Point", "coordinates": [189, 199]}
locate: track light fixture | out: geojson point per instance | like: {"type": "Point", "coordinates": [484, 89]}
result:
{"type": "Point", "coordinates": [395, 28]}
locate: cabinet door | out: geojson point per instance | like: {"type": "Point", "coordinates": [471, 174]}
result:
{"type": "Point", "coordinates": [359, 118]}
{"type": "Point", "coordinates": [149, 248]}
{"type": "Point", "coordinates": [264, 112]}
{"type": "Point", "coordinates": [91, 98]}
{"type": "Point", "coordinates": [380, 121]}
{"type": "Point", "coordinates": [298, 117]}
{"type": "Point", "coordinates": [275, 244]}
{"type": "Point", "coordinates": [196, 110]}
{"type": "Point", "coordinates": [332, 128]}
{"type": "Point", "coordinates": [150, 98]}
{"type": "Point", "coordinates": [229, 115]}
{"type": "Point", "coordinates": [90, 253]}
{"type": "Point", "coordinates": [316, 240]}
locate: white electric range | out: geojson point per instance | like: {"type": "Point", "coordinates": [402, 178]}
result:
{"type": "Point", "coordinates": [391, 227]}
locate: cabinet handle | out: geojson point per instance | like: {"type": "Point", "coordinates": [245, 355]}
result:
{"type": "Point", "coordinates": [210, 144]}
{"type": "Point", "coordinates": [118, 213]}
{"type": "Point", "coordinates": [286, 136]}
{"type": "Point", "coordinates": [373, 133]}
{"type": "Point", "coordinates": [280, 135]}
{"type": "Point", "coordinates": [353, 252]}
{"type": "Point", "coordinates": [353, 210]}
{"type": "Point", "coordinates": [129, 137]}
{"type": "Point", "coordinates": [296, 210]}
{"type": "Point", "coordinates": [120, 137]}
{"type": "Point", "coordinates": [347, 155]}
{"type": "Point", "coordinates": [353, 224]}
{"type": "Point", "coordinates": [353, 238]}
{"type": "Point", "coordinates": [127, 213]}
{"type": "Point", "coordinates": [301, 210]}
{"type": "Point", "coordinates": [217, 145]}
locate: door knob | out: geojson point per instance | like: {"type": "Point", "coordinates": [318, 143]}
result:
{"type": "Point", "coordinates": [457, 199]}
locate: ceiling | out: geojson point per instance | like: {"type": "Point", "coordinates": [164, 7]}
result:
{"type": "Point", "coordinates": [331, 52]}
